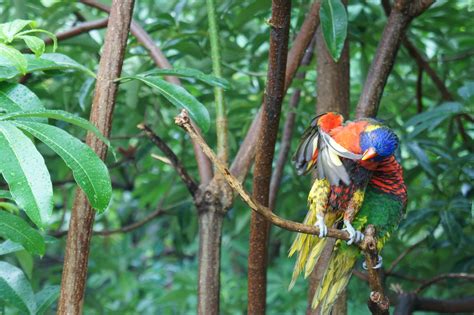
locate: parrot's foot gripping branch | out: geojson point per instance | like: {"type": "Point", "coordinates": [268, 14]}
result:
{"type": "Point", "coordinates": [323, 229]}
{"type": "Point", "coordinates": [355, 236]}
{"type": "Point", "coordinates": [377, 266]}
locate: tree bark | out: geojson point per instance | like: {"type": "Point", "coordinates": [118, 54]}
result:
{"type": "Point", "coordinates": [333, 94]}
{"type": "Point", "coordinates": [257, 261]}
{"type": "Point", "coordinates": [80, 228]}
{"type": "Point", "coordinates": [401, 14]}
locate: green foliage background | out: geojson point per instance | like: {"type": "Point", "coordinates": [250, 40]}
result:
{"type": "Point", "coordinates": [152, 270]}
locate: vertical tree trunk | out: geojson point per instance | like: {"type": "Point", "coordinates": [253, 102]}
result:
{"type": "Point", "coordinates": [257, 261]}
{"type": "Point", "coordinates": [333, 94]}
{"type": "Point", "coordinates": [210, 234]}
{"type": "Point", "coordinates": [80, 228]}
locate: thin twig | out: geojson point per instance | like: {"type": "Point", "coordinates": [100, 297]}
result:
{"type": "Point", "coordinates": [79, 29]}
{"type": "Point", "coordinates": [183, 121]}
{"type": "Point", "coordinates": [175, 162]}
{"type": "Point", "coordinates": [441, 277]}
{"type": "Point", "coordinates": [403, 255]}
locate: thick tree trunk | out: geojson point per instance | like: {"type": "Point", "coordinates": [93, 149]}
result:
{"type": "Point", "coordinates": [333, 92]}
{"type": "Point", "coordinates": [80, 228]}
{"type": "Point", "coordinates": [257, 261]}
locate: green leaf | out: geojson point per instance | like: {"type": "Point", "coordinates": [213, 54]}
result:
{"type": "Point", "coordinates": [15, 289]}
{"type": "Point", "coordinates": [46, 297]}
{"type": "Point", "coordinates": [49, 61]}
{"type": "Point", "coordinates": [55, 61]}
{"type": "Point", "coordinates": [190, 73]}
{"type": "Point", "coordinates": [34, 43]}
{"type": "Point", "coordinates": [84, 92]}
{"type": "Point", "coordinates": [9, 247]}
{"type": "Point", "coordinates": [4, 194]}
{"type": "Point", "coordinates": [24, 170]}
{"type": "Point", "coordinates": [59, 115]}
{"type": "Point", "coordinates": [179, 97]}
{"type": "Point", "coordinates": [10, 29]}
{"type": "Point", "coordinates": [16, 229]}
{"type": "Point", "coordinates": [16, 97]}
{"type": "Point", "coordinates": [431, 119]}
{"type": "Point", "coordinates": [88, 170]}
{"type": "Point", "coordinates": [334, 26]}
{"type": "Point", "coordinates": [14, 58]}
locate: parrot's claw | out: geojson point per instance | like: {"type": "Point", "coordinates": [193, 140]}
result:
{"type": "Point", "coordinates": [354, 235]}
{"type": "Point", "coordinates": [377, 266]}
{"type": "Point", "coordinates": [323, 229]}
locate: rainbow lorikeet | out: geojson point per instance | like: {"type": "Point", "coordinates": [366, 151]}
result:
{"type": "Point", "coordinates": [358, 182]}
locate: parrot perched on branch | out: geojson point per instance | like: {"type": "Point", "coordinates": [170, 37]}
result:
{"type": "Point", "coordinates": [358, 182]}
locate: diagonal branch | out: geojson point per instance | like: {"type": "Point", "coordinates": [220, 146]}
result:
{"type": "Point", "coordinates": [402, 12]}
{"type": "Point", "coordinates": [183, 121]}
{"type": "Point", "coordinates": [441, 277]}
{"type": "Point", "coordinates": [204, 165]}
{"type": "Point", "coordinates": [246, 153]}
{"type": "Point", "coordinates": [79, 29]}
{"type": "Point", "coordinates": [175, 162]}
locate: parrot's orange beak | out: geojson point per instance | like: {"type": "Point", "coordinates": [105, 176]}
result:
{"type": "Point", "coordinates": [368, 154]}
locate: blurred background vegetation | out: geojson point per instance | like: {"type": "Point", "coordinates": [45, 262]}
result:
{"type": "Point", "coordinates": [152, 269]}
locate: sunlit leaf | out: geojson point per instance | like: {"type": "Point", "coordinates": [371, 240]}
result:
{"type": "Point", "coordinates": [17, 230]}
{"type": "Point", "coordinates": [15, 290]}
{"type": "Point", "coordinates": [15, 59]}
{"type": "Point", "coordinates": [89, 171]}
{"type": "Point", "coordinates": [24, 170]}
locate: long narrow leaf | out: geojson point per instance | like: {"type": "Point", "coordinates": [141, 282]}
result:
{"type": "Point", "coordinates": [16, 97]}
{"type": "Point", "coordinates": [46, 297]}
{"type": "Point", "coordinates": [190, 73]}
{"type": "Point", "coordinates": [58, 115]}
{"type": "Point", "coordinates": [15, 289]}
{"type": "Point", "coordinates": [16, 229]}
{"type": "Point", "coordinates": [179, 97]}
{"type": "Point", "coordinates": [25, 172]}
{"type": "Point", "coordinates": [89, 171]}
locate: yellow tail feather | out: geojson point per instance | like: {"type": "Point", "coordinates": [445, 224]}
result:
{"type": "Point", "coordinates": [335, 279]}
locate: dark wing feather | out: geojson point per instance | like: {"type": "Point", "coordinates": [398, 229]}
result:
{"type": "Point", "coordinates": [304, 152]}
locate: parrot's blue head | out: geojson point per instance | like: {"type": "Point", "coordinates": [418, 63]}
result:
{"type": "Point", "coordinates": [378, 142]}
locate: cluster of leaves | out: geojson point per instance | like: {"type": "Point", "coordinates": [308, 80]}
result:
{"type": "Point", "coordinates": [152, 270]}
{"type": "Point", "coordinates": [23, 117]}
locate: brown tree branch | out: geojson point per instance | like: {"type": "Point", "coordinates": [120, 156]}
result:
{"type": "Point", "coordinates": [378, 303]}
{"type": "Point", "coordinates": [402, 13]}
{"type": "Point", "coordinates": [80, 227]}
{"type": "Point", "coordinates": [273, 98]}
{"type": "Point", "coordinates": [409, 302]}
{"type": "Point", "coordinates": [79, 29]}
{"type": "Point", "coordinates": [124, 229]}
{"type": "Point", "coordinates": [174, 160]}
{"type": "Point", "coordinates": [183, 121]}
{"type": "Point", "coordinates": [441, 277]}
{"type": "Point", "coordinates": [204, 165]}
{"type": "Point", "coordinates": [288, 130]}
{"type": "Point", "coordinates": [246, 153]}
{"type": "Point", "coordinates": [403, 255]}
